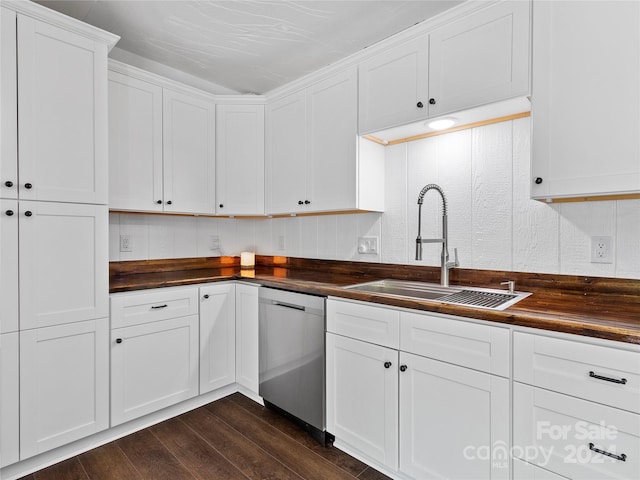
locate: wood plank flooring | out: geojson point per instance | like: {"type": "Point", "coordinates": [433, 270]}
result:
{"type": "Point", "coordinates": [231, 439]}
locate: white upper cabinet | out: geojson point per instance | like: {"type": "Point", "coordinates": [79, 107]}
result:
{"type": "Point", "coordinates": [394, 86]}
{"type": "Point", "coordinates": [286, 153]}
{"type": "Point", "coordinates": [585, 99]}
{"type": "Point", "coordinates": [240, 159]}
{"type": "Point", "coordinates": [315, 160]}
{"type": "Point", "coordinates": [135, 144]}
{"type": "Point", "coordinates": [189, 153]}
{"type": "Point", "coordinates": [62, 121]}
{"type": "Point", "coordinates": [8, 266]}
{"type": "Point", "coordinates": [480, 59]}
{"type": "Point", "coordinates": [8, 106]}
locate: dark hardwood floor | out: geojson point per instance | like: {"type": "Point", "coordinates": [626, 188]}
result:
{"type": "Point", "coordinates": [233, 438]}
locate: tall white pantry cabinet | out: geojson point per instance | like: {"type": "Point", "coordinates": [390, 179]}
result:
{"type": "Point", "coordinates": [53, 230]}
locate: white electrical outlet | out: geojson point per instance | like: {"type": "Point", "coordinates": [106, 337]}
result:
{"type": "Point", "coordinates": [368, 245]}
{"type": "Point", "coordinates": [214, 242]}
{"type": "Point", "coordinates": [281, 242]}
{"type": "Point", "coordinates": [125, 243]}
{"type": "Point", "coordinates": [601, 250]}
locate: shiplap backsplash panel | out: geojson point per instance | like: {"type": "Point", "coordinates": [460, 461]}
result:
{"type": "Point", "coordinates": [492, 221]}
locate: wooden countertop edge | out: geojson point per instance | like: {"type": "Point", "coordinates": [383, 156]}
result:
{"type": "Point", "coordinates": [565, 322]}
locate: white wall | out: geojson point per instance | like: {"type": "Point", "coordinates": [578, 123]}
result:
{"type": "Point", "coordinates": [493, 223]}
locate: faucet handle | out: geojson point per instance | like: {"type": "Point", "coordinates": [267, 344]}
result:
{"type": "Point", "coordinates": [511, 284]}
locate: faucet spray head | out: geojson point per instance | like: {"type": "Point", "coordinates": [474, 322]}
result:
{"type": "Point", "coordinates": [418, 248]}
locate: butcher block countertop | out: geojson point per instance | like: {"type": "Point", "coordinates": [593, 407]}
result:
{"type": "Point", "coordinates": [606, 308]}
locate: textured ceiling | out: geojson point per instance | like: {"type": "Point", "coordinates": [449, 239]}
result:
{"type": "Point", "coordinates": [249, 46]}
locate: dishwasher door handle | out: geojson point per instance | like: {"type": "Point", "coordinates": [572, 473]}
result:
{"type": "Point", "coordinates": [288, 305]}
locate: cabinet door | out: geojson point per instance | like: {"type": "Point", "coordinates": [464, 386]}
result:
{"type": "Point", "coordinates": [240, 159]}
{"type": "Point", "coordinates": [247, 337]}
{"type": "Point", "coordinates": [480, 59]}
{"type": "Point", "coordinates": [333, 128]}
{"type": "Point", "coordinates": [64, 384]}
{"type": "Point", "coordinates": [8, 266]}
{"type": "Point", "coordinates": [153, 366]}
{"type": "Point", "coordinates": [362, 374]}
{"type": "Point", "coordinates": [286, 160]}
{"type": "Point", "coordinates": [8, 106]}
{"type": "Point", "coordinates": [217, 336]}
{"type": "Point", "coordinates": [62, 100]}
{"type": "Point", "coordinates": [9, 399]}
{"type": "Point", "coordinates": [392, 86]}
{"type": "Point", "coordinates": [454, 421]}
{"type": "Point", "coordinates": [63, 263]}
{"type": "Point", "coordinates": [135, 144]}
{"type": "Point", "coordinates": [585, 107]}
{"type": "Point", "coordinates": [189, 153]}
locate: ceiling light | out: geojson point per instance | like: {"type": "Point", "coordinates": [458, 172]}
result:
{"type": "Point", "coordinates": [442, 123]}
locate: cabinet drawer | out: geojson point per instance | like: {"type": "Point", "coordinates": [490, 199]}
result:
{"type": "Point", "coordinates": [573, 437]}
{"type": "Point", "coordinates": [526, 471]}
{"type": "Point", "coordinates": [601, 374]}
{"type": "Point", "coordinates": [481, 347]}
{"type": "Point", "coordinates": [158, 304]}
{"type": "Point", "coordinates": [377, 325]}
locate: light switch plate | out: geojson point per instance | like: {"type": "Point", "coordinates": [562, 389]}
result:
{"type": "Point", "coordinates": [368, 245]}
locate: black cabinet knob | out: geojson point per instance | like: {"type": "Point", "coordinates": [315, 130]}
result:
{"type": "Point", "coordinates": [206, 295]}
{"type": "Point", "coordinates": [221, 205]}
{"type": "Point", "coordinates": [432, 101]}
{"type": "Point", "coordinates": [28, 213]}
{"type": "Point", "coordinates": [8, 183]}
{"type": "Point", "coordinates": [387, 364]}
{"type": "Point", "coordinates": [28, 186]}
{"type": "Point", "coordinates": [403, 368]}
{"type": "Point", "coordinates": [419, 105]}
{"type": "Point", "coordinates": [9, 213]}
{"type": "Point", "coordinates": [300, 202]}
{"type": "Point", "coordinates": [538, 180]}
{"type": "Point", "coordinates": [307, 202]}
{"type": "Point", "coordinates": [169, 202]}
{"type": "Point", "coordinates": [118, 340]}
{"type": "Point", "coordinates": [159, 202]}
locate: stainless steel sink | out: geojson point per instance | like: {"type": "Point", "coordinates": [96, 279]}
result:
{"type": "Point", "coordinates": [476, 297]}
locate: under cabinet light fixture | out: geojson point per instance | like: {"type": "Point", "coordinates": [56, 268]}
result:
{"type": "Point", "coordinates": [441, 123]}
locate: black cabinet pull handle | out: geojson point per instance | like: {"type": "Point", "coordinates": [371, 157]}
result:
{"type": "Point", "coordinates": [118, 340]}
{"type": "Point", "coordinates": [403, 368]}
{"type": "Point", "coordinates": [206, 295]}
{"type": "Point", "coordinates": [8, 183]}
{"type": "Point", "coordinates": [9, 213]}
{"type": "Point", "coordinates": [159, 202]}
{"type": "Point", "coordinates": [432, 101]}
{"type": "Point", "coordinates": [28, 186]}
{"type": "Point", "coordinates": [300, 202]}
{"type": "Point", "coordinates": [156, 307]}
{"type": "Point", "coordinates": [622, 381]}
{"type": "Point", "coordinates": [307, 202]}
{"type": "Point", "coordinates": [169, 202]}
{"type": "Point", "coordinates": [622, 457]}
{"type": "Point", "coordinates": [387, 364]}
{"type": "Point", "coordinates": [538, 180]}
{"type": "Point", "coordinates": [419, 105]}
{"type": "Point", "coordinates": [221, 205]}
{"type": "Point", "coordinates": [28, 213]}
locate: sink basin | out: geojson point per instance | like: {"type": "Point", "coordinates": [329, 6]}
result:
{"type": "Point", "coordinates": [486, 298]}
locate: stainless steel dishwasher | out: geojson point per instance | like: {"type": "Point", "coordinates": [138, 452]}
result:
{"type": "Point", "coordinates": [292, 350]}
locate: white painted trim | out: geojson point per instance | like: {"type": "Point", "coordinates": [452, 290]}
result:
{"type": "Point", "coordinates": [423, 28]}
{"type": "Point", "coordinates": [52, 17]}
{"type": "Point", "coordinates": [51, 457]}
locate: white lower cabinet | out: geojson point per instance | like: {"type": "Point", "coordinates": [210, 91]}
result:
{"type": "Point", "coordinates": [454, 421]}
{"type": "Point", "coordinates": [153, 365]}
{"type": "Point", "coordinates": [217, 336]}
{"type": "Point", "coordinates": [64, 384]}
{"type": "Point", "coordinates": [418, 415]}
{"type": "Point", "coordinates": [526, 471]}
{"type": "Point", "coordinates": [362, 397]}
{"type": "Point", "coordinates": [9, 399]}
{"type": "Point", "coordinates": [247, 337]}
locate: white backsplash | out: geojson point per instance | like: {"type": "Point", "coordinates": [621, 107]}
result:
{"type": "Point", "coordinates": [484, 173]}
